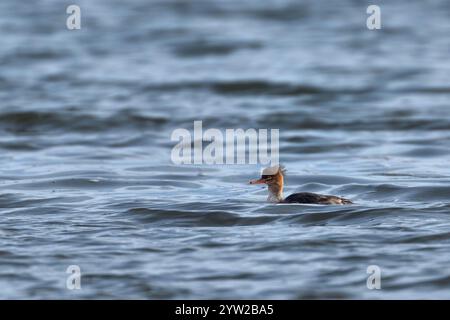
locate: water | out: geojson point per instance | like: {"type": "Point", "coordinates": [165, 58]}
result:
{"type": "Point", "coordinates": [86, 177]}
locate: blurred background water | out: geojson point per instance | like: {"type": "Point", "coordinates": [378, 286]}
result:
{"type": "Point", "coordinates": [86, 176]}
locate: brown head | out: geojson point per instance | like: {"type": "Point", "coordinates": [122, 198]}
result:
{"type": "Point", "coordinates": [274, 178]}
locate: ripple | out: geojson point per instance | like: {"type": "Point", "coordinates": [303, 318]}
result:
{"type": "Point", "coordinates": [197, 218]}
{"type": "Point", "coordinates": [200, 48]}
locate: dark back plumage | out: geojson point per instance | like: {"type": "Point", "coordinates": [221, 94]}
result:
{"type": "Point", "coordinates": [314, 198]}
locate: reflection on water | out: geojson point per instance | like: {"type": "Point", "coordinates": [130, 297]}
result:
{"type": "Point", "coordinates": [86, 177]}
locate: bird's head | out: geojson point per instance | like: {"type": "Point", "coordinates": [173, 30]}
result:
{"type": "Point", "coordinates": [272, 176]}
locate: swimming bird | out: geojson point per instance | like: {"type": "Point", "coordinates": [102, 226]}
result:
{"type": "Point", "coordinates": [274, 178]}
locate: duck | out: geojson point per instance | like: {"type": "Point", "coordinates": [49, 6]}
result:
{"type": "Point", "coordinates": [273, 177]}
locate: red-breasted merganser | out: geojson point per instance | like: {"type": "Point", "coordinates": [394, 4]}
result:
{"type": "Point", "coordinates": [274, 178]}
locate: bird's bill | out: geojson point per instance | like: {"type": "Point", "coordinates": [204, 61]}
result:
{"type": "Point", "coordinates": [258, 181]}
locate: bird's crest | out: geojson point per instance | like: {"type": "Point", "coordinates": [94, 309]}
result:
{"type": "Point", "coordinates": [270, 171]}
